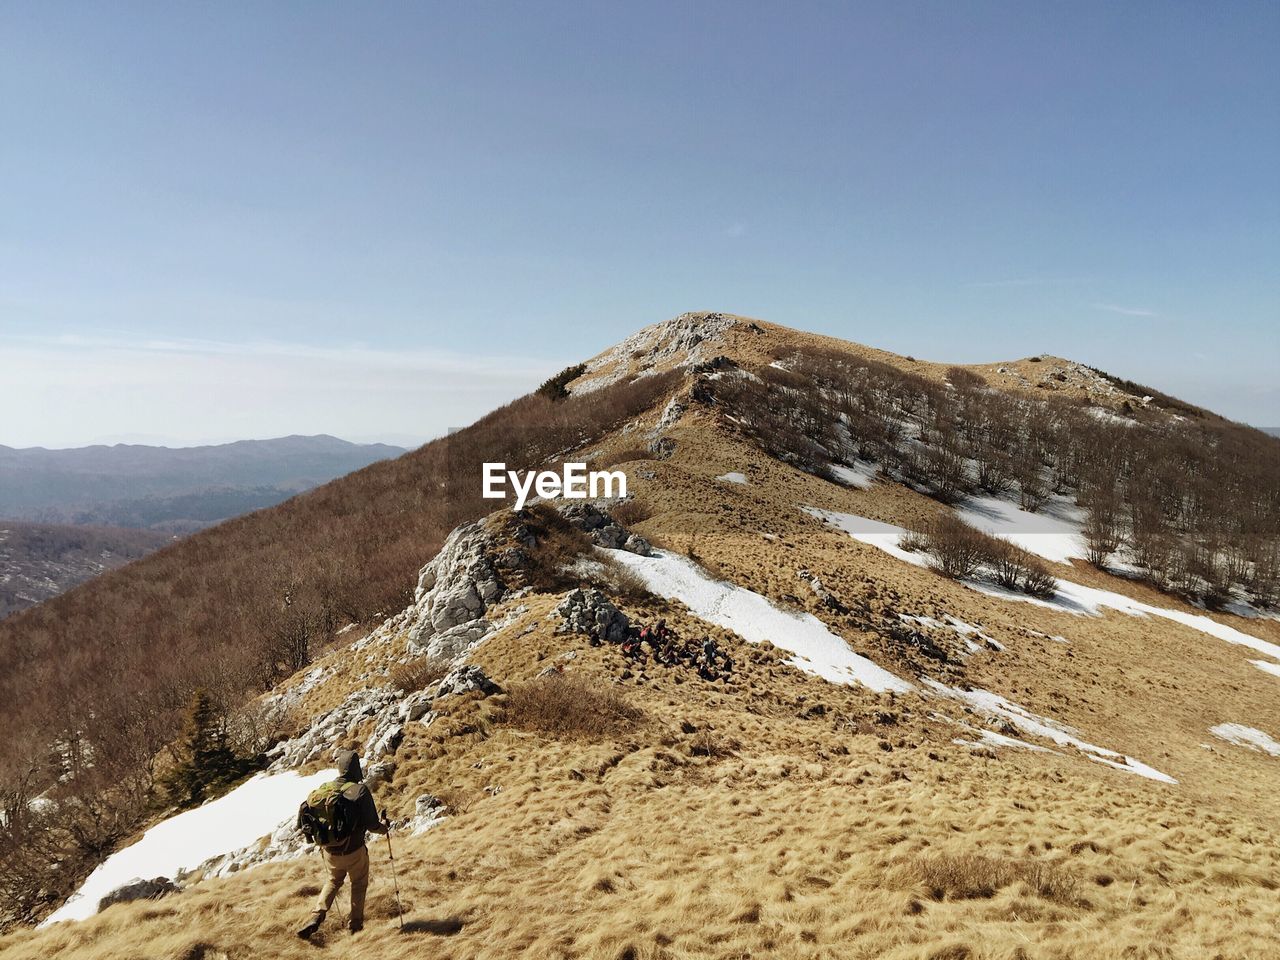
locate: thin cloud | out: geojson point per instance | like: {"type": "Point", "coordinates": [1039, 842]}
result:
{"type": "Point", "coordinates": [1124, 311]}
{"type": "Point", "coordinates": [355, 354]}
{"type": "Point", "coordinates": [1027, 282]}
{"type": "Point", "coordinates": [735, 229]}
{"type": "Point", "coordinates": [79, 388]}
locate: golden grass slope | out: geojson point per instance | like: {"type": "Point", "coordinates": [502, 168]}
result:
{"type": "Point", "coordinates": [773, 814]}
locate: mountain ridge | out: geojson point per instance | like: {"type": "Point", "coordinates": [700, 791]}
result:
{"type": "Point", "coordinates": [172, 488]}
{"type": "Point", "coordinates": [1044, 777]}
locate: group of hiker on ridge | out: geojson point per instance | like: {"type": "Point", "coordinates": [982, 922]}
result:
{"type": "Point", "coordinates": [668, 649]}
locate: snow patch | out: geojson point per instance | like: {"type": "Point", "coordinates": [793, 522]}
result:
{"type": "Point", "coordinates": [860, 475]}
{"type": "Point", "coordinates": [994, 705]}
{"type": "Point", "coordinates": [733, 477]}
{"type": "Point", "coordinates": [1070, 597]}
{"type": "Point", "coordinates": [249, 812]}
{"type": "Point", "coordinates": [754, 618]}
{"type": "Point", "coordinates": [1053, 532]}
{"type": "Point", "coordinates": [1243, 736]}
{"type": "Point", "coordinates": [1267, 666]}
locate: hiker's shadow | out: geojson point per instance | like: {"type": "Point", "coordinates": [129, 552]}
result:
{"type": "Point", "coordinates": [440, 928]}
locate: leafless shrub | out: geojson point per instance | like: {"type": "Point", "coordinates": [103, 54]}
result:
{"type": "Point", "coordinates": [1104, 526]}
{"type": "Point", "coordinates": [418, 673]}
{"type": "Point", "coordinates": [914, 541]}
{"type": "Point", "coordinates": [957, 549]}
{"type": "Point", "coordinates": [1033, 491]}
{"type": "Point", "coordinates": [625, 585]}
{"type": "Point", "coordinates": [631, 511]}
{"type": "Point", "coordinates": [962, 378]}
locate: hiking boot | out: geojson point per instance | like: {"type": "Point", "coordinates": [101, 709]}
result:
{"type": "Point", "coordinates": [355, 926]}
{"type": "Point", "coordinates": [312, 925]}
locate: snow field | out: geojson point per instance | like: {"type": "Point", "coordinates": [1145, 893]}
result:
{"type": "Point", "coordinates": [183, 842]}
{"type": "Point", "coordinates": [817, 650]}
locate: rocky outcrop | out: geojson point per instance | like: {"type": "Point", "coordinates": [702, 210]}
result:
{"type": "Point", "coordinates": [152, 889]}
{"type": "Point", "coordinates": [454, 591]}
{"type": "Point", "coordinates": [464, 679]}
{"type": "Point", "coordinates": [671, 415]}
{"type": "Point", "coordinates": [589, 611]}
{"type": "Point", "coordinates": [682, 340]}
{"type": "Point", "coordinates": [603, 529]}
{"type": "Point", "coordinates": [318, 740]}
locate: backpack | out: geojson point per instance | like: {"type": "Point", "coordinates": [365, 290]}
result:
{"type": "Point", "coordinates": [328, 816]}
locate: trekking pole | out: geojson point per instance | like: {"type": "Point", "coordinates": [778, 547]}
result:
{"type": "Point", "coordinates": [394, 879]}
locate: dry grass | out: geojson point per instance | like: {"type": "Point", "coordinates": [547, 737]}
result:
{"type": "Point", "coordinates": [972, 876]}
{"type": "Point", "coordinates": [741, 821]}
{"type": "Point", "coordinates": [565, 705]}
{"type": "Point", "coordinates": [417, 673]}
{"type": "Point", "coordinates": [631, 511]}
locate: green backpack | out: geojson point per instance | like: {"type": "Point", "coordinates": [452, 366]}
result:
{"type": "Point", "coordinates": [328, 817]}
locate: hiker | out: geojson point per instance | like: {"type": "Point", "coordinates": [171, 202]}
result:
{"type": "Point", "coordinates": [709, 651]}
{"type": "Point", "coordinates": [669, 654]}
{"type": "Point", "coordinates": [713, 663]}
{"type": "Point", "coordinates": [336, 817]}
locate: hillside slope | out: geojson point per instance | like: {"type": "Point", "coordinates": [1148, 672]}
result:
{"type": "Point", "coordinates": [39, 561]}
{"type": "Point", "coordinates": [898, 763]}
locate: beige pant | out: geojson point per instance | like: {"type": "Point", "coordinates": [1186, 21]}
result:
{"type": "Point", "coordinates": [343, 865]}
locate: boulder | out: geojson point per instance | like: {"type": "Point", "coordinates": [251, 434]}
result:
{"type": "Point", "coordinates": [428, 804]}
{"type": "Point", "coordinates": [152, 889]}
{"type": "Point", "coordinates": [451, 643]}
{"type": "Point", "coordinates": [464, 679]}
{"type": "Point", "coordinates": [589, 611]}
{"type": "Point", "coordinates": [638, 545]}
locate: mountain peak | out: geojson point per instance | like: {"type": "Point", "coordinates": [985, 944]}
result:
{"type": "Point", "coordinates": [680, 341]}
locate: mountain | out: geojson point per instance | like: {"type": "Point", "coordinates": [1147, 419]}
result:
{"type": "Point", "coordinates": [1273, 431]}
{"type": "Point", "coordinates": [39, 561]}
{"type": "Point", "coordinates": [994, 675]}
{"type": "Point", "coordinates": [174, 489]}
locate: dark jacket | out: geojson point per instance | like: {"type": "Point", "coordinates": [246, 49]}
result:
{"type": "Point", "coordinates": [367, 819]}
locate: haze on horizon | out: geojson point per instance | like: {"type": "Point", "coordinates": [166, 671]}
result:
{"type": "Point", "coordinates": [381, 223]}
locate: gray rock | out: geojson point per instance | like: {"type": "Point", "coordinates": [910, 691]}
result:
{"type": "Point", "coordinates": [317, 741]}
{"type": "Point", "coordinates": [638, 545]}
{"type": "Point", "coordinates": [385, 738]}
{"type": "Point", "coordinates": [671, 415]}
{"type": "Point", "coordinates": [464, 679]}
{"type": "Point", "coordinates": [427, 804]}
{"type": "Point", "coordinates": [585, 516]}
{"type": "Point", "coordinates": [589, 611]}
{"type": "Point", "coordinates": [416, 705]}
{"type": "Point", "coordinates": [152, 889]}
{"type": "Point", "coordinates": [458, 585]}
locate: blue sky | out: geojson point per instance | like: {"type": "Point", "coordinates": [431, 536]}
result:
{"type": "Point", "coordinates": [379, 221]}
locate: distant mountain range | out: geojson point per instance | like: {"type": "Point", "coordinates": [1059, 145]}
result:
{"type": "Point", "coordinates": [175, 490]}
{"type": "Point", "coordinates": [1274, 431]}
